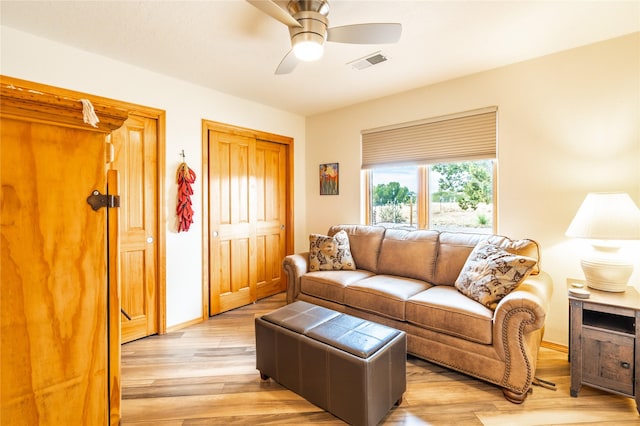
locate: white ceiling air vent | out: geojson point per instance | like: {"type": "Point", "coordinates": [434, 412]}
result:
{"type": "Point", "coordinates": [369, 60]}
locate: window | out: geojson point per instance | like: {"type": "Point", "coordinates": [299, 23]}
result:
{"type": "Point", "coordinates": [394, 196]}
{"type": "Point", "coordinates": [436, 174]}
{"type": "Point", "coordinates": [460, 196]}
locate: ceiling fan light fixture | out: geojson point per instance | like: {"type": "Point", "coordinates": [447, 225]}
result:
{"type": "Point", "coordinates": [308, 25]}
{"type": "Point", "coordinates": [308, 46]}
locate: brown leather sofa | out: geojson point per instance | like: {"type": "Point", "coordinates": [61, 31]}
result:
{"type": "Point", "coordinates": [405, 279]}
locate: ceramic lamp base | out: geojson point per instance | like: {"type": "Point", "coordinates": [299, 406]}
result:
{"type": "Point", "coordinates": [606, 276]}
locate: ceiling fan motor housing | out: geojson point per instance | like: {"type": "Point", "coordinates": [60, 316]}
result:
{"type": "Point", "coordinates": [318, 6]}
{"type": "Point", "coordinates": [312, 15]}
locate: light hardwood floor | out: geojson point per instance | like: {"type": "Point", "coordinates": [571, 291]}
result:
{"type": "Point", "coordinates": [205, 375]}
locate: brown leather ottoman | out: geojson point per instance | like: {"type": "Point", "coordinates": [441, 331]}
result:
{"type": "Point", "coordinates": [350, 367]}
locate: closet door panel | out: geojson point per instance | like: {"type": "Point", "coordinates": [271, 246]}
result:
{"type": "Point", "coordinates": [271, 181]}
{"type": "Point", "coordinates": [232, 221]}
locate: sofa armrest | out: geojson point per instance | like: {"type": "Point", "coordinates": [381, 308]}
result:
{"type": "Point", "coordinates": [533, 295]}
{"type": "Point", "coordinates": [518, 327]}
{"type": "Point", "coordinates": [294, 266]}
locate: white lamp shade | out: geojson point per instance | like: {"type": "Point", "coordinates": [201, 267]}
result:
{"type": "Point", "coordinates": [606, 216]}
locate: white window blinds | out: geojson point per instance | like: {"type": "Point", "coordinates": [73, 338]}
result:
{"type": "Point", "coordinates": [469, 135]}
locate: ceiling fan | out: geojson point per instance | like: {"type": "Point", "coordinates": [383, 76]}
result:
{"type": "Point", "coordinates": [308, 27]}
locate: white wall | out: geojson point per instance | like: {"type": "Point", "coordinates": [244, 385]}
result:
{"type": "Point", "coordinates": [569, 124]}
{"type": "Point", "coordinates": [39, 60]}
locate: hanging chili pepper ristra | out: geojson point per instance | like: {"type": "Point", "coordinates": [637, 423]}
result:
{"type": "Point", "coordinates": [185, 178]}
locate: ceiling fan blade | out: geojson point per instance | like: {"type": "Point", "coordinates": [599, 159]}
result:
{"type": "Point", "coordinates": [288, 63]}
{"type": "Point", "coordinates": [365, 33]}
{"type": "Point", "coordinates": [272, 9]}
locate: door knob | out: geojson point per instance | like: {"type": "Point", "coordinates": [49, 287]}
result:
{"type": "Point", "coordinates": [149, 240]}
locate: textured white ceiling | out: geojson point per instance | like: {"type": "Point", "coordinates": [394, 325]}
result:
{"type": "Point", "coordinates": [232, 47]}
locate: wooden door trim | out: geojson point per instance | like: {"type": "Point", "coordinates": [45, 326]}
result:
{"type": "Point", "coordinates": [208, 125]}
{"type": "Point", "coordinates": [38, 103]}
{"type": "Point", "coordinates": [71, 97]}
{"type": "Point", "coordinates": [113, 306]}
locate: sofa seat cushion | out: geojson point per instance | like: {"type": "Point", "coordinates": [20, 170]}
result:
{"type": "Point", "coordinates": [444, 309]}
{"type": "Point", "coordinates": [383, 294]}
{"type": "Point", "coordinates": [330, 285]}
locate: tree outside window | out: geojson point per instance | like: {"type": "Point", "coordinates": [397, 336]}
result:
{"type": "Point", "coordinates": [394, 197]}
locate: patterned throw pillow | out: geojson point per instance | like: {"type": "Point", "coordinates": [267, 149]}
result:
{"type": "Point", "coordinates": [330, 253]}
{"type": "Point", "coordinates": [490, 273]}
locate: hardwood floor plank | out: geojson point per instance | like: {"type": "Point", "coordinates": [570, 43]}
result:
{"type": "Point", "coordinates": [216, 405]}
{"type": "Point", "coordinates": [613, 414]}
{"type": "Point", "coordinates": [205, 374]}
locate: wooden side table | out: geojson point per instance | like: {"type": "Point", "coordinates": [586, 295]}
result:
{"type": "Point", "coordinates": [604, 341]}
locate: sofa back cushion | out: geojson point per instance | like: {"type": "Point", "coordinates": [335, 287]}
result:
{"type": "Point", "coordinates": [410, 254]}
{"type": "Point", "coordinates": [365, 242]}
{"type": "Point", "coordinates": [455, 247]}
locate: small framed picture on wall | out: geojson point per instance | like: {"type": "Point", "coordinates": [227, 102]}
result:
{"type": "Point", "coordinates": [329, 179]}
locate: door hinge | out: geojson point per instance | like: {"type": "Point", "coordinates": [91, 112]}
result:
{"type": "Point", "coordinates": [97, 200]}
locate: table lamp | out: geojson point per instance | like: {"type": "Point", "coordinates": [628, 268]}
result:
{"type": "Point", "coordinates": [605, 219]}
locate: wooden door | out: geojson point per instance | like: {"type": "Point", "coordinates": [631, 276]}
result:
{"type": "Point", "coordinates": [55, 351]}
{"type": "Point", "coordinates": [271, 172]}
{"type": "Point", "coordinates": [232, 222]}
{"type": "Point", "coordinates": [248, 199]}
{"type": "Point", "coordinates": [135, 158]}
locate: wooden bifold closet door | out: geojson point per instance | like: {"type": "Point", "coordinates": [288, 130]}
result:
{"type": "Point", "coordinates": [248, 215]}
